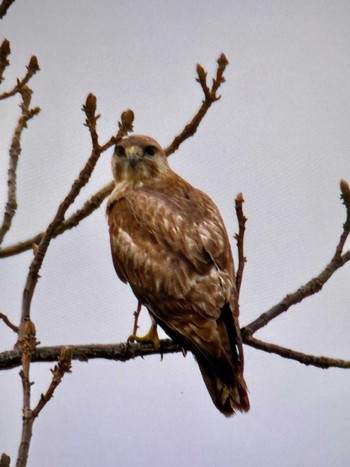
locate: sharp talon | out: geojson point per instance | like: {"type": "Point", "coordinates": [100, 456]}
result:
{"type": "Point", "coordinates": [151, 336]}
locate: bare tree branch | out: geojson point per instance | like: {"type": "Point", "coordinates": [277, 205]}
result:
{"type": "Point", "coordinates": [210, 97]}
{"type": "Point", "coordinates": [8, 323]}
{"type": "Point", "coordinates": [119, 352]}
{"type": "Point", "coordinates": [88, 208]}
{"type": "Point", "coordinates": [320, 362]}
{"type": "Point", "coordinates": [28, 343]}
{"type": "Point", "coordinates": [15, 150]}
{"type": "Point", "coordinates": [97, 199]}
{"type": "Point", "coordinates": [240, 241]}
{"type": "Point", "coordinates": [315, 284]}
{"type": "Point", "coordinates": [32, 68]}
{"type": "Point", "coordinates": [63, 366]}
{"type": "Point", "coordinates": [90, 111]}
{"type": "Point", "coordinates": [5, 460]}
{"type": "Point", "coordinates": [129, 351]}
{"type": "Point", "coordinates": [5, 5]}
{"type": "Point", "coordinates": [5, 51]}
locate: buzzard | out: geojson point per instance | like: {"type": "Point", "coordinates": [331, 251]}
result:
{"type": "Point", "coordinates": [170, 244]}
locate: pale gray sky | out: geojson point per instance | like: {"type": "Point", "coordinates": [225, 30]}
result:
{"type": "Point", "coordinates": [280, 134]}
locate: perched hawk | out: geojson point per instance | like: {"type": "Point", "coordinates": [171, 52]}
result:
{"type": "Point", "coordinates": [169, 243]}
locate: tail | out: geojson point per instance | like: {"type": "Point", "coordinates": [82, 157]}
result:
{"type": "Point", "coordinates": [227, 398]}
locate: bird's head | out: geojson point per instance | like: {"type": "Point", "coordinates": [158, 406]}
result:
{"type": "Point", "coordinates": [138, 158]}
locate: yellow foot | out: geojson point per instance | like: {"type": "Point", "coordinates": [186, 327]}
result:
{"type": "Point", "coordinates": [151, 336]}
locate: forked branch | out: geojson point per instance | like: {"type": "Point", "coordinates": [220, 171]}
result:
{"type": "Point", "coordinates": [97, 199]}
{"type": "Point", "coordinates": [91, 118]}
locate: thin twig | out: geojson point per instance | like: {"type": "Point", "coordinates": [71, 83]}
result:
{"type": "Point", "coordinates": [98, 198]}
{"type": "Point", "coordinates": [63, 366]}
{"type": "Point", "coordinates": [90, 111]}
{"type": "Point", "coordinates": [5, 51]}
{"type": "Point", "coordinates": [210, 97]}
{"type": "Point", "coordinates": [240, 241]}
{"type": "Point", "coordinates": [15, 150]}
{"type": "Point", "coordinates": [136, 316]}
{"type": "Point", "coordinates": [8, 323]}
{"type": "Point", "coordinates": [314, 285]}
{"type": "Point", "coordinates": [32, 68]}
{"type": "Point", "coordinates": [5, 5]}
{"type": "Point", "coordinates": [88, 208]}
{"type": "Point", "coordinates": [319, 362]}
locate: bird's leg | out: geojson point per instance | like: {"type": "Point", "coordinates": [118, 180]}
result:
{"type": "Point", "coordinates": [151, 336]}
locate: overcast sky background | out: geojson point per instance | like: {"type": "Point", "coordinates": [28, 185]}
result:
{"type": "Point", "coordinates": [280, 134]}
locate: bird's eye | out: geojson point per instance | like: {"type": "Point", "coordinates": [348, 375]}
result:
{"type": "Point", "coordinates": [119, 151]}
{"type": "Point", "coordinates": [149, 150]}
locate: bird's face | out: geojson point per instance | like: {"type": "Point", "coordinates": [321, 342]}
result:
{"type": "Point", "coordinates": [138, 158]}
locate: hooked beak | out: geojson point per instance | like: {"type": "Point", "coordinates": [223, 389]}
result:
{"type": "Point", "coordinates": [133, 156]}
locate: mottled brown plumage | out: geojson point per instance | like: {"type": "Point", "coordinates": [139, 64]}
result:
{"type": "Point", "coordinates": [169, 243]}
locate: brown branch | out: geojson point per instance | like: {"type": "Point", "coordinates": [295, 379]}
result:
{"type": "Point", "coordinates": [28, 343]}
{"type": "Point", "coordinates": [32, 68]}
{"type": "Point", "coordinates": [90, 111]}
{"type": "Point", "coordinates": [320, 362]}
{"type": "Point", "coordinates": [88, 208]}
{"type": "Point", "coordinates": [314, 285]}
{"type": "Point", "coordinates": [5, 460]}
{"type": "Point", "coordinates": [240, 241]}
{"type": "Point", "coordinates": [15, 150]}
{"type": "Point", "coordinates": [5, 51]}
{"type": "Point", "coordinates": [127, 117]}
{"type": "Point", "coordinates": [63, 366]}
{"type": "Point", "coordinates": [210, 97]}
{"type": "Point", "coordinates": [118, 352]}
{"type": "Point", "coordinates": [8, 323]}
{"type": "Point", "coordinates": [128, 351]}
{"type": "Point", "coordinates": [5, 5]}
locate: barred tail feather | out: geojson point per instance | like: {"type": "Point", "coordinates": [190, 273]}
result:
{"type": "Point", "coordinates": [227, 399]}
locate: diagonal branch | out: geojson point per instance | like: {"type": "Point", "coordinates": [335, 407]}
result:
{"type": "Point", "coordinates": [88, 208]}
{"type": "Point", "coordinates": [8, 322]}
{"type": "Point", "coordinates": [5, 5]}
{"type": "Point", "coordinates": [210, 97]}
{"type": "Point", "coordinates": [320, 362]}
{"type": "Point", "coordinates": [97, 199]}
{"type": "Point", "coordinates": [15, 150]}
{"type": "Point", "coordinates": [84, 176]}
{"type": "Point", "coordinates": [314, 285]}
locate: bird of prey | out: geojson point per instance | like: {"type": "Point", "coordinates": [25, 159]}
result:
{"type": "Point", "coordinates": [169, 242]}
